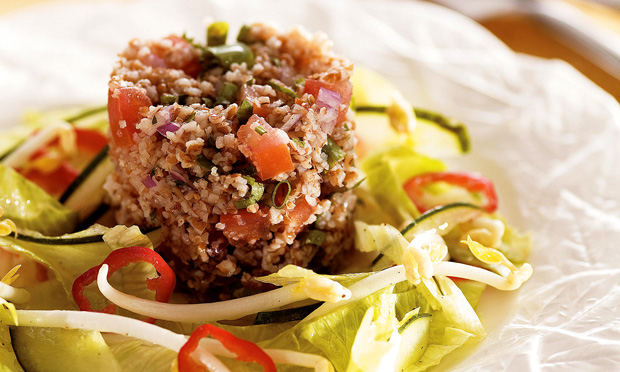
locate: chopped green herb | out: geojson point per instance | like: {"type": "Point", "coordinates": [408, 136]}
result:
{"type": "Point", "coordinates": [204, 163]}
{"type": "Point", "coordinates": [281, 88]}
{"type": "Point", "coordinates": [299, 142]}
{"type": "Point", "coordinates": [256, 192]}
{"type": "Point", "coordinates": [275, 190]}
{"type": "Point", "coordinates": [227, 94]}
{"type": "Point", "coordinates": [153, 214]}
{"type": "Point", "coordinates": [346, 127]}
{"type": "Point", "coordinates": [260, 130]}
{"type": "Point", "coordinates": [300, 82]}
{"type": "Point", "coordinates": [208, 102]}
{"type": "Point", "coordinates": [244, 34]}
{"type": "Point", "coordinates": [250, 81]}
{"type": "Point", "coordinates": [314, 237]}
{"type": "Point", "coordinates": [276, 62]}
{"type": "Point", "coordinates": [154, 121]}
{"type": "Point", "coordinates": [244, 112]}
{"type": "Point", "coordinates": [168, 99]}
{"type": "Point", "coordinates": [333, 151]}
{"type": "Point", "coordinates": [153, 171]}
{"type": "Point", "coordinates": [211, 140]}
{"type": "Point", "coordinates": [190, 117]}
{"type": "Point", "coordinates": [217, 33]}
{"type": "Point", "coordinates": [343, 189]}
{"type": "Point", "coordinates": [226, 55]}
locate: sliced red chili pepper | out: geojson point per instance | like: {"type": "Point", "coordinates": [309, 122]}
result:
{"type": "Point", "coordinates": [472, 182]}
{"type": "Point", "coordinates": [163, 285]}
{"type": "Point", "coordinates": [246, 351]}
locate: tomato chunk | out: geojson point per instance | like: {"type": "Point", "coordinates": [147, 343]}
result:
{"type": "Point", "coordinates": [189, 60]}
{"type": "Point", "coordinates": [269, 151]}
{"type": "Point", "coordinates": [300, 213]}
{"type": "Point", "coordinates": [124, 106]}
{"type": "Point", "coordinates": [245, 226]}
{"type": "Point", "coordinates": [345, 88]}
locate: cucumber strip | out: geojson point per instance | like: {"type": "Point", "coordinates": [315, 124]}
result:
{"type": "Point", "coordinates": [443, 218]}
{"type": "Point", "coordinates": [86, 193]}
{"type": "Point", "coordinates": [414, 332]}
{"type": "Point", "coordinates": [93, 217]}
{"type": "Point", "coordinates": [286, 315]}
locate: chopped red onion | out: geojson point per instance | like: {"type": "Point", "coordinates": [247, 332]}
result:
{"type": "Point", "coordinates": [328, 98]}
{"type": "Point", "coordinates": [149, 183]}
{"type": "Point", "coordinates": [168, 127]}
{"type": "Point", "coordinates": [290, 122]}
{"type": "Point", "coordinates": [177, 175]}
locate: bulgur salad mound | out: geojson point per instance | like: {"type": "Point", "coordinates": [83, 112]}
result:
{"type": "Point", "coordinates": [236, 151]}
{"type": "Point", "coordinates": [211, 217]}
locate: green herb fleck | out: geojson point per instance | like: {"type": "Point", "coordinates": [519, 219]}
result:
{"type": "Point", "coordinates": [168, 99]}
{"type": "Point", "coordinates": [190, 117]}
{"type": "Point", "coordinates": [217, 33]}
{"type": "Point", "coordinates": [153, 171]}
{"type": "Point", "coordinates": [299, 142]}
{"type": "Point", "coordinates": [154, 121]}
{"type": "Point", "coordinates": [255, 194]}
{"type": "Point", "coordinates": [227, 94]}
{"type": "Point", "coordinates": [275, 190]}
{"type": "Point", "coordinates": [300, 82]}
{"type": "Point", "coordinates": [281, 88]}
{"type": "Point", "coordinates": [314, 237]}
{"type": "Point", "coordinates": [244, 112]}
{"type": "Point", "coordinates": [260, 130]}
{"type": "Point", "coordinates": [204, 162]}
{"type": "Point", "coordinates": [250, 81]}
{"type": "Point", "coordinates": [244, 34]}
{"type": "Point", "coordinates": [211, 141]}
{"type": "Point", "coordinates": [208, 102]}
{"type": "Point", "coordinates": [333, 151]}
{"type": "Point", "coordinates": [276, 61]}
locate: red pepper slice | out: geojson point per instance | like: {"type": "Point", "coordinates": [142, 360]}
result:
{"type": "Point", "coordinates": [246, 351]}
{"type": "Point", "coordinates": [163, 285]}
{"type": "Point", "coordinates": [472, 182]}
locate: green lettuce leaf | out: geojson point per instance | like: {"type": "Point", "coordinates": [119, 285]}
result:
{"type": "Point", "coordinates": [138, 356]}
{"type": "Point", "coordinates": [32, 208]}
{"type": "Point", "coordinates": [70, 255]}
{"type": "Point", "coordinates": [388, 170]}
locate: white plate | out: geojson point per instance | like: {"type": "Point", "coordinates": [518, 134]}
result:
{"type": "Point", "coordinates": [548, 137]}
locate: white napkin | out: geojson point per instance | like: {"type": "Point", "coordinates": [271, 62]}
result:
{"type": "Point", "coordinates": [547, 136]}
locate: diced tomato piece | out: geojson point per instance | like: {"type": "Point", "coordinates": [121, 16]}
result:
{"type": "Point", "coordinates": [90, 141]}
{"type": "Point", "coordinates": [245, 226]}
{"type": "Point", "coordinates": [300, 213]}
{"type": "Point", "coordinates": [269, 151]}
{"type": "Point", "coordinates": [124, 104]}
{"type": "Point", "coordinates": [54, 182]}
{"type": "Point", "coordinates": [344, 87]}
{"type": "Point", "coordinates": [160, 57]}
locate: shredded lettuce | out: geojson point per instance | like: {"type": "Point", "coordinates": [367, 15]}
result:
{"type": "Point", "coordinates": [388, 170]}
{"type": "Point", "coordinates": [31, 208]}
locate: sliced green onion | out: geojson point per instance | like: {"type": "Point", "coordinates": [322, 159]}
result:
{"type": "Point", "coordinates": [281, 88]}
{"type": "Point", "coordinates": [190, 118]}
{"type": "Point", "coordinates": [256, 192]}
{"type": "Point", "coordinates": [204, 162]}
{"type": "Point", "coordinates": [260, 130]}
{"type": "Point", "coordinates": [314, 237]}
{"type": "Point", "coordinates": [333, 151]}
{"type": "Point", "coordinates": [217, 33]}
{"type": "Point", "coordinates": [168, 99]}
{"type": "Point", "coordinates": [227, 94]}
{"type": "Point", "coordinates": [275, 190]}
{"type": "Point", "coordinates": [244, 112]}
{"type": "Point", "coordinates": [300, 82]}
{"type": "Point", "coordinates": [226, 55]}
{"type": "Point", "coordinates": [244, 34]}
